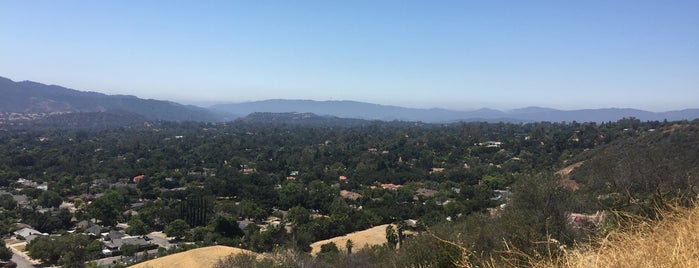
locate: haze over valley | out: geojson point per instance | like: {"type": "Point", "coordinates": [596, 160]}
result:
{"type": "Point", "coordinates": [36, 100]}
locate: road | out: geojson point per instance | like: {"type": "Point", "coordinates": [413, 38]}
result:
{"type": "Point", "coordinates": [21, 261]}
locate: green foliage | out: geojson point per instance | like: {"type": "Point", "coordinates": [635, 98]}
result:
{"type": "Point", "coordinates": [177, 228]}
{"type": "Point", "coordinates": [49, 199]}
{"type": "Point", "coordinates": [227, 227]}
{"type": "Point", "coordinates": [129, 249]}
{"type": "Point", "coordinates": [5, 252]}
{"type": "Point", "coordinates": [538, 212]}
{"type": "Point", "coordinates": [7, 202]}
{"type": "Point", "coordinates": [108, 207]}
{"type": "Point", "coordinates": [70, 250]}
{"type": "Point", "coordinates": [391, 237]}
{"type": "Point", "coordinates": [196, 209]}
{"type": "Point", "coordinates": [208, 175]}
{"type": "Point", "coordinates": [328, 251]}
{"type": "Point", "coordinates": [299, 215]}
{"type": "Point", "coordinates": [137, 227]}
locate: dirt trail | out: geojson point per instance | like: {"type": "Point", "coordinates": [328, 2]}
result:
{"type": "Point", "coordinates": [566, 181]}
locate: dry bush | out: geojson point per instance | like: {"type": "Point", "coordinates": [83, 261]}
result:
{"type": "Point", "coordinates": [670, 242]}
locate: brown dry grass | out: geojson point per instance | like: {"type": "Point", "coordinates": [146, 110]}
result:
{"type": "Point", "coordinates": [671, 242]}
{"type": "Point", "coordinates": [361, 239]}
{"type": "Point", "coordinates": [638, 242]}
{"type": "Point", "coordinates": [200, 257]}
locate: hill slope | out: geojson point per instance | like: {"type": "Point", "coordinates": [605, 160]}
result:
{"type": "Point", "coordinates": [361, 239]}
{"type": "Point", "coordinates": [665, 160]}
{"type": "Point", "coordinates": [200, 257]}
{"type": "Point", "coordinates": [28, 97]}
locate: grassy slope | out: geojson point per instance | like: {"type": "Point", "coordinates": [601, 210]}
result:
{"type": "Point", "coordinates": [200, 257]}
{"type": "Point", "coordinates": [366, 238]}
{"type": "Point", "coordinates": [671, 242]}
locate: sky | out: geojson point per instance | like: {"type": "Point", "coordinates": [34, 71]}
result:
{"type": "Point", "coordinates": [459, 55]}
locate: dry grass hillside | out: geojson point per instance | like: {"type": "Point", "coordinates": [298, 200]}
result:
{"type": "Point", "coordinates": [200, 257]}
{"type": "Point", "coordinates": [366, 238]}
{"type": "Point", "coordinates": [671, 242]}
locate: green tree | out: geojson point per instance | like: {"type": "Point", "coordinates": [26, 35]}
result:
{"type": "Point", "coordinates": [227, 227]}
{"type": "Point", "coordinates": [7, 202]}
{"type": "Point", "coordinates": [328, 251]}
{"type": "Point", "coordinates": [49, 199]}
{"type": "Point", "coordinates": [177, 228]}
{"type": "Point", "coordinates": [69, 250]}
{"type": "Point", "coordinates": [299, 215]}
{"type": "Point", "coordinates": [5, 253]}
{"type": "Point", "coordinates": [349, 245]}
{"type": "Point", "coordinates": [107, 207]}
{"type": "Point", "coordinates": [129, 249]}
{"type": "Point", "coordinates": [538, 212]}
{"type": "Point", "coordinates": [137, 227]}
{"type": "Point", "coordinates": [391, 237]}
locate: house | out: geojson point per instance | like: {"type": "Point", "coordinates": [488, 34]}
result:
{"type": "Point", "coordinates": [424, 192]}
{"type": "Point", "coordinates": [391, 186]}
{"type": "Point", "coordinates": [501, 194]}
{"type": "Point", "coordinates": [22, 200]}
{"type": "Point", "coordinates": [27, 183]}
{"type": "Point", "coordinates": [343, 178]}
{"type": "Point", "coordinates": [94, 230]}
{"type": "Point", "coordinates": [350, 195]}
{"type": "Point", "coordinates": [436, 170]}
{"type": "Point", "coordinates": [410, 223]}
{"type": "Point", "coordinates": [27, 231]}
{"type": "Point", "coordinates": [122, 225]}
{"type": "Point", "coordinates": [29, 234]}
{"type": "Point", "coordinates": [82, 225]}
{"type": "Point", "coordinates": [583, 221]}
{"type": "Point", "coordinates": [113, 235]}
{"type": "Point", "coordinates": [246, 169]}
{"type": "Point", "coordinates": [244, 223]}
{"type": "Point", "coordinates": [116, 244]}
{"type": "Point", "coordinates": [69, 206]}
{"type": "Point", "coordinates": [490, 144]}
{"type": "Point", "coordinates": [138, 178]}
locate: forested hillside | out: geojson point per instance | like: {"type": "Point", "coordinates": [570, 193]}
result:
{"type": "Point", "coordinates": [282, 181]}
{"type": "Point", "coordinates": [664, 160]}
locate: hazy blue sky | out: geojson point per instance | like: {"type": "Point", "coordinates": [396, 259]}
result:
{"type": "Point", "coordinates": [452, 54]}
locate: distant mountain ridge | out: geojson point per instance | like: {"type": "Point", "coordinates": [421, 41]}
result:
{"type": "Point", "coordinates": [367, 111]}
{"type": "Point", "coordinates": [27, 97]}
